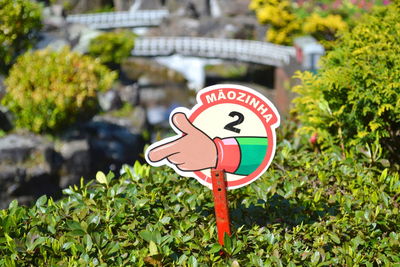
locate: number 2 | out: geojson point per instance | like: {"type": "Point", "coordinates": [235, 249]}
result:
{"type": "Point", "coordinates": [231, 126]}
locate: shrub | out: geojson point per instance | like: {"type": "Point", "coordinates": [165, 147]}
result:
{"type": "Point", "coordinates": [324, 28]}
{"type": "Point", "coordinates": [49, 90]}
{"type": "Point", "coordinates": [112, 47]}
{"type": "Point", "coordinates": [20, 20]}
{"type": "Point", "coordinates": [321, 19]}
{"type": "Point", "coordinates": [284, 25]}
{"type": "Point", "coordinates": [308, 210]}
{"type": "Point", "coordinates": [355, 98]}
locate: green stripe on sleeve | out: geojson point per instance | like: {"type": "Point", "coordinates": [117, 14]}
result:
{"type": "Point", "coordinates": [252, 150]}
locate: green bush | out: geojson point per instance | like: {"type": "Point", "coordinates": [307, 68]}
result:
{"type": "Point", "coordinates": [354, 100]}
{"type": "Point", "coordinates": [112, 47]}
{"type": "Point", "coordinates": [48, 90]}
{"type": "Point", "coordinates": [307, 210]}
{"type": "Point", "coordinates": [20, 20]}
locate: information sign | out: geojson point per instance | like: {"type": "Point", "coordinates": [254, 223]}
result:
{"type": "Point", "coordinates": [231, 128]}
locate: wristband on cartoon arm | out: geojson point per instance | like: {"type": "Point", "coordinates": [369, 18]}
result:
{"type": "Point", "coordinates": [240, 155]}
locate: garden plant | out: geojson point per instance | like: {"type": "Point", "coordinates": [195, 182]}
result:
{"type": "Point", "coordinates": [308, 210]}
{"type": "Point", "coordinates": [321, 19]}
{"type": "Point", "coordinates": [354, 100]}
{"type": "Point", "coordinates": [20, 21]}
{"type": "Point", "coordinates": [112, 47]}
{"type": "Point", "coordinates": [61, 88]}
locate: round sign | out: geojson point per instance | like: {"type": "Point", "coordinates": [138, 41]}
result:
{"type": "Point", "coordinates": [231, 128]}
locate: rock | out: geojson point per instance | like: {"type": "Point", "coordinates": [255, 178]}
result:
{"type": "Point", "coordinates": [240, 27]}
{"type": "Point", "coordinates": [53, 17]}
{"type": "Point", "coordinates": [53, 40]}
{"type": "Point", "coordinates": [145, 81]}
{"type": "Point", "coordinates": [5, 119]}
{"type": "Point", "coordinates": [207, 8]}
{"type": "Point", "coordinates": [165, 95]}
{"type": "Point", "coordinates": [54, 22]}
{"type": "Point", "coordinates": [29, 149]}
{"type": "Point", "coordinates": [81, 6]}
{"type": "Point", "coordinates": [85, 36]}
{"type": "Point", "coordinates": [109, 100]}
{"type": "Point", "coordinates": [189, 8]}
{"type": "Point", "coordinates": [130, 94]}
{"type": "Point", "coordinates": [10, 178]}
{"type": "Point", "coordinates": [260, 32]}
{"type": "Point", "coordinates": [154, 73]}
{"type": "Point", "coordinates": [73, 32]}
{"type": "Point", "coordinates": [110, 145]}
{"type": "Point", "coordinates": [16, 148]}
{"type": "Point", "coordinates": [138, 118]}
{"type": "Point", "coordinates": [192, 10]}
{"type": "Point", "coordinates": [57, 10]}
{"type": "Point", "coordinates": [37, 183]}
{"type": "Point", "coordinates": [124, 5]}
{"type": "Point", "coordinates": [232, 7]}
{"type": "Point", "coordinates": [134, 120]}
{"type": "Point", "coordinates": [157, 115]}
{"type": "Point", "coordinates": [77, 161]}
{"type": "Point", "coordinates": [140, 4]}
{"type": "Point", "coordinates": [25, 200]}
{"type": "Point", "coordinates": [152, 95]}
{"type": "Point", "coordinates": [177, 26]}
{"type": "Point", "coordinates": [29, 167]}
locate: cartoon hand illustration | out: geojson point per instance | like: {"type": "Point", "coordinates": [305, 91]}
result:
{"type": "Point", "coordinates": [194, 150]}
{"type": "Point", "coordinates": [191, 152]}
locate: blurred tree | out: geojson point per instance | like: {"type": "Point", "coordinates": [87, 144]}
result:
{"type": "Point", "coordinates": [20, 21]}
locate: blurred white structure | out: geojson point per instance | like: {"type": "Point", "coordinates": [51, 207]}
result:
{"type": "Point", "coordinates": [308, 52]}
{"type": "Point", "coordinates": [121, 19]}
{"type": "Point", "coordinates": [230, 49]}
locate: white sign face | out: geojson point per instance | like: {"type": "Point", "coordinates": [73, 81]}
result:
{"type": "Point", "coordinates": [231, 128]}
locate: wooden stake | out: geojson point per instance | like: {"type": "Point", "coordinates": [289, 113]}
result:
{"type": "Point", "coordinates": [220, 204]}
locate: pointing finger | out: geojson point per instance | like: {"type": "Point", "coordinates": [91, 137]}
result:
{"type": "Point", "coordinates": [163, 151]}
{"type": "Point", "coordinates": [176, 158]}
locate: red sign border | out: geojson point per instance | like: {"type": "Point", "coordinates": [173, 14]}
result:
{"type": "Point", "coordinates": [269, 127]}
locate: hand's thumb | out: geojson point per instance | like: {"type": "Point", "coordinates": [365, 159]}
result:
{"type": "Point", "coordinates": [181, 122]}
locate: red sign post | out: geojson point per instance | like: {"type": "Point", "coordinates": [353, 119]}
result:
{"type": "Point", "coordinates": [220, 204]}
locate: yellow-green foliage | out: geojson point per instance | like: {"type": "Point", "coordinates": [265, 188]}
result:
{"type": "Point", "coordinates": [328, 26]}
{"type": "Point", "coordinates": [275, 12]}
{"type": "Point", "coordinates": [112, 47]}
{"type": "Point", "coordinates": [19, 21]}
{"type": "Point", "coordinates": [49, 90]}
{"type": "Point", "coordinates": [355, 98]}
{"type": "Point", "coordinates": [284, 24]}
{"type": "Point", "coordinates": [287, 20]}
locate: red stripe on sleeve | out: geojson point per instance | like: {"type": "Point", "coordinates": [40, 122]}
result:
{"type": "Point", "coordinates": [228, 154]}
